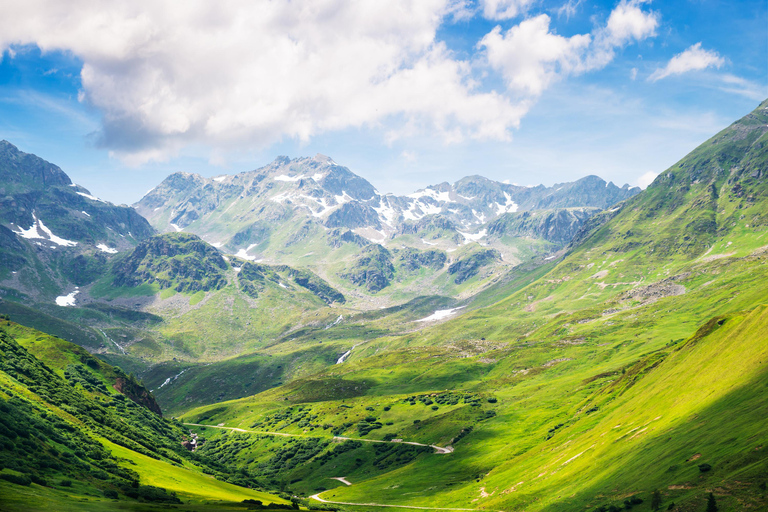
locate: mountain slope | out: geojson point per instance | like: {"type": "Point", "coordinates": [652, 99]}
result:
{"type": "Point", "coordinates": [637, 363]}
{"type": "Point", "coordinates": [55, 235]}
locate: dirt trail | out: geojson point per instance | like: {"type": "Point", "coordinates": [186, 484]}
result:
{"type": "Point", "coordinates": [438, 449]}
{"type": "Point", "coordinates": [341, 479]}
{"type": "Point", "coordinates": [321, 500]}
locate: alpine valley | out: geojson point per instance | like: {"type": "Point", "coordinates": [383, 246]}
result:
{"type": "Point", "coordinates": [292, 338]}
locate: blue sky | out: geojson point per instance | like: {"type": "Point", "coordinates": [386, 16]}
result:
{"type": "Point", "coordinates": [406, 94]}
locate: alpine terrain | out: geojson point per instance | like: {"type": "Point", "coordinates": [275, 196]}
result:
{"type": "Point", "coordinates": [292, 338]}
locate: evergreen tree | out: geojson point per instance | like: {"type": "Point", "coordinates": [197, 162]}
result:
{"type": "Point", "coordinates": [711, 503]}
{"type": "Point", "coordinates": [656, 500]}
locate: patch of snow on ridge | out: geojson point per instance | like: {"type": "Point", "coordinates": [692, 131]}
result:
{"type": "Point", "coordinates": [67, 300]}
{"type": "Point", "coordinates": [89, 196]}
{"type": "Point", "coordinates": [285, 177]}
{"type": "Point", "coordinates": [440, 314]}
{"type": "Point", "coordinates": [85, 213]}
{"type": "Point", "coordinates": [38, 230]}
{"type": "Point", "coordinates": [107, 249]}
{"type": "Point", "coordinates": [386, 213]}
{"type": "Point", "coordinates": [318, 176]}
{"type": "Point", "coordinates": [434, 194]}
{"type": "Point", "coordinates": [509, 207]}
{"type": "Point", "coordinates": [219, 178]}
{"type": "Point", "coordinates": [174, 226]}
{"type": "Point", "coordinates": [243, 253]}
{"type": "Point", "coordinates": [474, 237]}
{"type": "Point", "coordinates": [480, 216]}
{"type": "Point", "coordinates": [343, 198]}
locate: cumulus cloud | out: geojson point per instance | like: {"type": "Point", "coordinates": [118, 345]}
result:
{"type": "Point", "coordinates": [531, 56]}
{"type": "Point", "coordinates": [257, 71]}
{"type": "Point", "coordinates": [249, 73]}
{"type": "Point", "coordinates": [504, 9]}
{"type": "Point", "coordinates": [693, 59]}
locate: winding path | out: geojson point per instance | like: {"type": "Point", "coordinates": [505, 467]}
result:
{"type": "Point", "coordinates": [438, 449]}
{"type": "Point", "coordinates": [321, 500]}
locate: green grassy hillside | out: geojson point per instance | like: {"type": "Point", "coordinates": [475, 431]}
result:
{"type": "Point", "coordinates": [635, 364]}
{"type": "Point", "coordinates": [71, 441]}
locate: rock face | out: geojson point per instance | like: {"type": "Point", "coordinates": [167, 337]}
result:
{"type": "Point", "coordinates": [137, 393]}
{"type": "Point", "coordinates": [181, 261]}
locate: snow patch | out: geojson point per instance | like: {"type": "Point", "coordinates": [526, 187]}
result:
{"type": "Point", "coordinates": [217, 245]}
{"type": "Point", "coordinates": [318, 176]}
{"type": "Point", "coordinates": [67, 300]}
{"type": "Point", "coordinates": [434, 194]}
{"type": "Point", "coordinates": [89, 196]}
{"type": "Point", "coordinates": [243, 253]}
{"type": "Point", "coordinates": [219, 178]}
{"type": "Point", "coordinates": [386, 213]}
{"type": "Point", "coordinates": [174, 226]}
{"type": "Point", "coordinates": [38, 230]}
{"type": "Point", "coordinates": [480, 216]}
{"type": "Point", "coordinates": [440, 314]}
{"type": "Point", "coordinates": [508, 207]}
{"type": "Point", "coordinates": [85, 213]}
{"type": "Point", "coordinates": [107, 249]}
{"type": "Point", "coordinates": [285, 177]}
{"type": "Point", "coordinates": [469, 237]}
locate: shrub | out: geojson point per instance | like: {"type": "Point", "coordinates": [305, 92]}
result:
{"type": "Point", "coordinates": [16, 479]}
{"type": "Point", "coordinates": [66, 483]}
{"type": "Point", "coordinates": [704, 467]}
{"type": "Point", "coordinates": [110, 494]}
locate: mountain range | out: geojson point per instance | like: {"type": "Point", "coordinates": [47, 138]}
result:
{"type": "Point", "coordinates": [479, 346]}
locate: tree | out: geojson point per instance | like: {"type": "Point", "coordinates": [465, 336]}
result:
{"type": "Point", "coordinates": [656, 500]}
{"type": "Point", "coordinates": [711, 503]}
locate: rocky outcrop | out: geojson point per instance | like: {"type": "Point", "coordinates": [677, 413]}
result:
{"type": "Point", "coordinates": [137, 393]}
{"type": "Point", "coordinates": [469, 266]}
{"type": "Point", "coordinates": [372, 269]}
{"type": "Point", "coordinates": [181, 261]}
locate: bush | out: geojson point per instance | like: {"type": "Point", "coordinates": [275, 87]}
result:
{"type": "Point", "coordinates": [16, 479]}
{"type": "Point", "coordinates": [704, 467]}
{"type": "Point", "coordinates": [110, 494]}
{"type": "Point", "coordinates": [66, 483]}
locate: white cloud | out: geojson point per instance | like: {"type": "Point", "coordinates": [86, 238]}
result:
{"type": "Point", "coordinates": [408, 156]}
{"type": "Point", "coordinates": [633, 74]}
{"type": "Point", "coordinates": [531, 56]}
{"type": "Point", "coordinates": [692, 59]}
{"type": "Point", "coordinates": [646, 179]}
{"type": "Point", "coordinates": [504, 9]}
{"type": "Point", "coordinates": [254, 72]}
{"type": "Point", "coordinates": [627, 23]}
